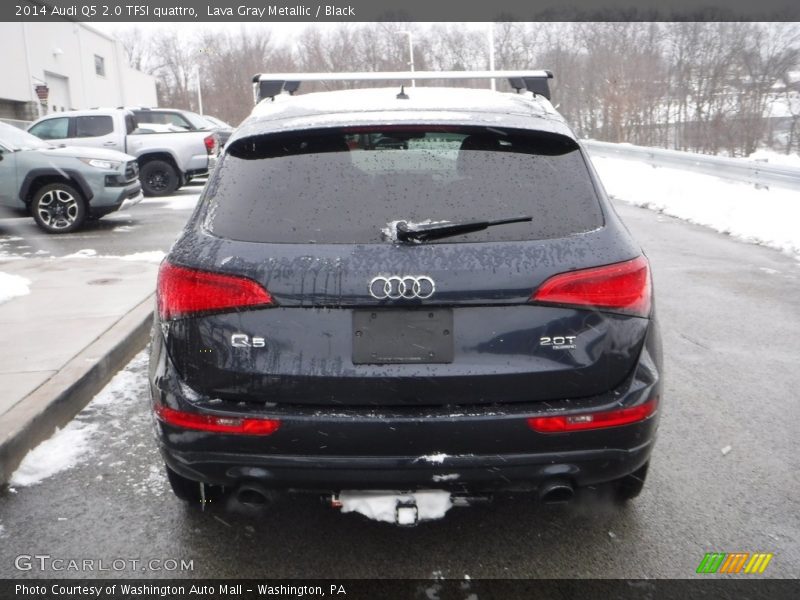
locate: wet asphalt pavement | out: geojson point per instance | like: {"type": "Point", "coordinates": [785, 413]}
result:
{"type": "Point", "coordinates": [730, 316]}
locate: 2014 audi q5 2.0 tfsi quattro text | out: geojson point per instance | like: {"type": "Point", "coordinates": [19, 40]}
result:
{"type": "Point", "coordinates": [405, 290]}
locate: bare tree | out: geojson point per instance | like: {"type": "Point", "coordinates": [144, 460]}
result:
{"type": "Point", "coordinates": [704, 86]}
{"type": "Point", "coordinates": [227, 62]}
{"type": "Point", "coordinates": [791, 98]}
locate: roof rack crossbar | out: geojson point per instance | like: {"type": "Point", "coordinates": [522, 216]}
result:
{"type": "Point", "coordinates": [269, 85]}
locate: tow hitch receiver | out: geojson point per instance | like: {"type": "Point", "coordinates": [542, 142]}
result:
{"type": "Point", "coordinates": [406, 513]}
{"type": "Point", "coordinates": [399, 507]}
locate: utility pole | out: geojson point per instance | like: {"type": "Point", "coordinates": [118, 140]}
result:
{"type": "Point", "coordinates": [491, 54]}
{"type": "Point", "coordinates": [410, 54]}
{"type": "Point", "coordinates": [199, 92]}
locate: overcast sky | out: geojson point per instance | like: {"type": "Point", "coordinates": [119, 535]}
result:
{"type": "Point", "coordinates": [282, 31]}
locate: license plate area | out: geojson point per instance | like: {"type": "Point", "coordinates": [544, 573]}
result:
{"type": "Point", "coordinates": [402, 336]}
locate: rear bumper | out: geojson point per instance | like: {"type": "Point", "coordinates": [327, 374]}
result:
{"type": "Point", "coordinates": [464, 473]}
{"type": "Point", "coordinates": [462, 449]}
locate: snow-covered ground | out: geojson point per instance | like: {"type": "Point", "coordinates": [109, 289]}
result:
{"type": "Point", "coordinates": [762, 216]}
{"type": "Point", "coordinates": [185, 199]}
{"type": "Point", "coordinates": [154, 256]}
{"type": "Point", "coordinates": [62, 451]}
{"type": "Point", "coordinates": [108, 415]}
{"type": "Point", "coordinates": [776, 158]}
{"type": "Point", "coordinates": [12, 286]}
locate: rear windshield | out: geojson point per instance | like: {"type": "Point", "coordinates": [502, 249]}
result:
{"type": "Point", "coordinates": [351, 185]}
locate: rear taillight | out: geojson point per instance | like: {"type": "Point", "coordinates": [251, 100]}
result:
{"type": "Point", "coordinates": [183, 292]}
{"type": "Point", "coordinates": [622, 287]}
{"type": "Point", "coordinates": [595, 420]}
{"type": "Point", "coordinates": [215, 424]}
{"type": "Point", "coordinates": [211, 143]}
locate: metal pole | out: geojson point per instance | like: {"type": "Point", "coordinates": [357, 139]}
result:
{"type": "Point", "coordinates": [491, 54]}
{"type": "Point", "coordinates": [410, 55]}
{"type": "Point", "coordinates": [199, 92]}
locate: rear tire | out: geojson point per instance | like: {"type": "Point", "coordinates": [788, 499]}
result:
{"type": "Point", "coordinates": [58, 208]}
{"type": "Point", "coordinates": [158, 178]}
{"type": "Point", "coordinates": [629, 487]}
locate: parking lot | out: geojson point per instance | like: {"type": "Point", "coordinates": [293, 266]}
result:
{"type": "Point", "coordinates": [724, 476]}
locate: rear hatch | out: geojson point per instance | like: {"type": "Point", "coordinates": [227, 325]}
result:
{"type": "Point", "coordinates": [309, 275]}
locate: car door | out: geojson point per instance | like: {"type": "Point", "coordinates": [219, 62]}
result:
{"type": "Point", "coordinates": [55, 129]}
{"type": "Point", "coordinates": [96, 131]}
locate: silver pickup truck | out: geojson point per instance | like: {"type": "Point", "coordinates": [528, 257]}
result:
{"type": "Point", "coordinates": [167, 159]}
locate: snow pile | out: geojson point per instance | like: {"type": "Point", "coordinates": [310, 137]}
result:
{"type": "Point", "coordinates": [180, 201]}
{"type": "Point", "coordinates": [762, 216]}
{"type": "Point", "coordinates": [382, 506]}
{"type": "Point", "coordinates": [64, 450]}
{"type": "Point", "coordinates": [448, 477]}
{"type": "Point", "coordinates": [85, 253]}
{"type": "Point", "coordinates": [5, 255]}
{"type": "Point", "coordinates": [12, 286]}
{"type": "Point", "coordinates": [776, 158]}
{"type": "Point", "coordinates": [433, 458]}
{"type": "Point", "coordinates": [390, 231]}
{"type": "Point", "coordinates": [152, 256]}
{"type": "Point", "coordinates": [122, 388]}
{"type": "Point", "coordinates": [71, 445]}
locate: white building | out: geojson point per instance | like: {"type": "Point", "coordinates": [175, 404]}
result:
{"type": "Point", "coordinates": [80, 67]}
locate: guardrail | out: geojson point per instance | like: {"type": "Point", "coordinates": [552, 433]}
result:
{"type": "Point", "coordinates": [736, 169]}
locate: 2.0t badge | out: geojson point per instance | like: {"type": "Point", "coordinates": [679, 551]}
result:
{"type": "Point", "coordinates": [558, 342]}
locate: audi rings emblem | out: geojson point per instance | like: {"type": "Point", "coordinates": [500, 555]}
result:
{"type": "Point", "coordinates": [409, 287]}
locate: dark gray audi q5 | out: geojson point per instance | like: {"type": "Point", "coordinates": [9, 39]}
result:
{"type": "Point", "coordinates": [425, 290]}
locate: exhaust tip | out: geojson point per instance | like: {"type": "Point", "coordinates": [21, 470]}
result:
{"type": "Point", "coordinates": [252, 496]}
{"type": "Point", "coordinates": [555, 492]}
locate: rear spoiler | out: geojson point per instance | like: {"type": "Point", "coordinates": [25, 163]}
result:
{"type": "Point", "coordinates": [269, 85]}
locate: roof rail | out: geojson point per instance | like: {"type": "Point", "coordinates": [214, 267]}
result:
{"type": "Point", "coordinates": [269, 85]}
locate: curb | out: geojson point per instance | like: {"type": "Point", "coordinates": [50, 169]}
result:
{"type": "Point", "coordinates": [54, 403]}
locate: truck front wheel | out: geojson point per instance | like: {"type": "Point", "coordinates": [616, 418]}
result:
{"type": "Point", "coordinates": [158, 178]}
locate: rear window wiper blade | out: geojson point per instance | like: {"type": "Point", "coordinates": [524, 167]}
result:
{"type": "Point", "coordinates": [435, 231]}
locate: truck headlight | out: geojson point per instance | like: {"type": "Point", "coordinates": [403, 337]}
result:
{"type": "Point", "coordinates": [102, 163]}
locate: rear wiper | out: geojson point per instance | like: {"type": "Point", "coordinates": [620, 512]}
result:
{"type": "Point", "coordinates": [435, 231]}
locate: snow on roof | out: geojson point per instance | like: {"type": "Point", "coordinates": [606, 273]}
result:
{"type": "Point", "coordinates": [420, 98]}
{"type": "Point", "coordinates": [381, 105]}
